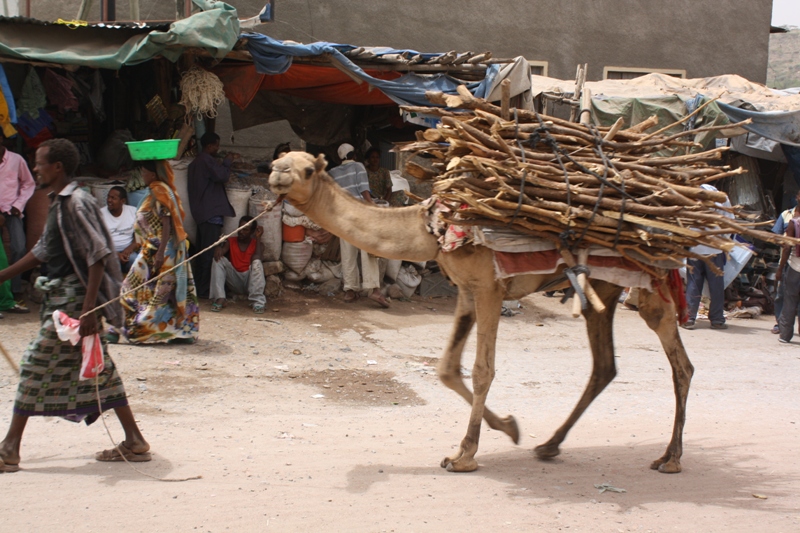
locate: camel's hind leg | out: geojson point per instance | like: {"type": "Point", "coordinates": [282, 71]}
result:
{"type": "Point", "coordinates": [660, 317]}
{"type": "Point", "coordinates": [450, 365]}
{"type": "Point", "coordinates": [487, 311]}
{"type": "Point", "coordinates": [599, 328]}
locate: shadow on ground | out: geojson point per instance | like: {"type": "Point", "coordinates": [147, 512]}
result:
{"type": "Point", "coordinates": [711, 477]}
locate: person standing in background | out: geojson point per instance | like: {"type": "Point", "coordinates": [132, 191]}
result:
{"type": "Point", "coordinates": [698, 272]}
{"type": "Point", "coordinates": [16, 188]}
{"type": "Point", "coordinates": [352, 177]}
{"type": "Point", "coordinates": [380, 181]}
{"type": "Point", "coordinates": [780, 226]}
{"type": "Point", "coordinates": [208, 203]}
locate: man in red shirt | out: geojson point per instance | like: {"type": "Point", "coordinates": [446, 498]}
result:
{"type": "Point", "coordinates": [237, 262]}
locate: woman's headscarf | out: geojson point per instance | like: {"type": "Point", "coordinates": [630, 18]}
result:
{"type": "Point", "coordinates": [163, 191]}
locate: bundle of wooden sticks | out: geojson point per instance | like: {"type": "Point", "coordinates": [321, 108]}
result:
{"type": "Point", "coordinates": [580, 185]}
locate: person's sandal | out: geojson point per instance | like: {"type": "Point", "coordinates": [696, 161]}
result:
{"type": "Point", "coordinates": [258, 309]}
{"type": "Point", "coordinates": [350, 296]}
{"type": "Point", "coordinates": [216, 307]}
{"type": "Point", "coordinates": [18, 309]}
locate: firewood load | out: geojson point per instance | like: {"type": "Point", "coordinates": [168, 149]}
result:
{"type": "Point", "coordinates": [579, 185]}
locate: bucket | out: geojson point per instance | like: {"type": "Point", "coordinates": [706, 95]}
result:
{"type": "Point", "coordinates": [239, 199]}
{"type": "Point", "coordinates": [180, 168]}
{"type": "Point", "coordinates": [271, 239]}
{"type": "Point", "coordinates": [293, 233]}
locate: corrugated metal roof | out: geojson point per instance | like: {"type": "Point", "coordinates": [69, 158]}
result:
{"type": "Point", "coordinates": [146, 26]}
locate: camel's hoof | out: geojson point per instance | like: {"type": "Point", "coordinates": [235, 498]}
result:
{"type": "Point", "coordinates": [511, 428]}
{"type": "Point", "coordinates": [460, 465]}
{"type": "Point", "coordinates": [547, 451]}
{"type": "Point", "coordinates": [671, 466]}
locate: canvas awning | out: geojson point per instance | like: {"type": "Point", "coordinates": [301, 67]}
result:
{"type": "Point", "coordinates": [325, 73]}
{"type": "Point", "coordinates": [775, 114]}
{"type": "Point", "coordinates": [111, 45]}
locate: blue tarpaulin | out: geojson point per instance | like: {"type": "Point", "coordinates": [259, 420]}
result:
{"type": "Point", "coordinates": [779, 126]}
{"type": "Point", "coordinates": [272, 56]}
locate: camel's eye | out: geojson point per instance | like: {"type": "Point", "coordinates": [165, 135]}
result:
{"type": "Point", "coordinates": [309, 172]}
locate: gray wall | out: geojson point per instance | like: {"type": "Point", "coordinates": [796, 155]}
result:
{"type": "Point", "coordinates": [703, 37]}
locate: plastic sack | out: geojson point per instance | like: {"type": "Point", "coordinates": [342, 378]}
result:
{"type": "Point", "coordinates": [92, 349]}
{"type": "Point", "coordinates": [295, 255]}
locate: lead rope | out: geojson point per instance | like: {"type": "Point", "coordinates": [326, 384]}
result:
{"type": "Point", "coordinates": [214, 245]}
{"type": "Point", "coordinates": [97, 376]}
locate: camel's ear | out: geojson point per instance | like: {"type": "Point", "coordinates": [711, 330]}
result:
{"type": "Point", "coordinates": [320, 163]}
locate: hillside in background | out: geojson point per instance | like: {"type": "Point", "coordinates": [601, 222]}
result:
{"type": "Point", "coordinates": [784, 60]}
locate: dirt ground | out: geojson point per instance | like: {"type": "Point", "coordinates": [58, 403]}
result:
{"type": "Point", "coordinates": [325, 416]}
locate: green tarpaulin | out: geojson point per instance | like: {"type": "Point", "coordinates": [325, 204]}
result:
{"type": "Point", "coordinates": [215, 29]}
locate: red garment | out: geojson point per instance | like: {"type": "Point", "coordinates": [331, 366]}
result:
{"type": "Point", "coordinates": [239, 259]}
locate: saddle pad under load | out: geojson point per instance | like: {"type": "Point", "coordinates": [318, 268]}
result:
{"type": "Point", "coordinates": [517, 254]}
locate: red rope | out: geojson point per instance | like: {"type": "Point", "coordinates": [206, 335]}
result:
{"type": "Point", "coordinates": [677, 293]}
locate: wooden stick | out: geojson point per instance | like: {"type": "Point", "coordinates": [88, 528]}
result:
{"type": "Point", "coordinates": [505, 98]}
{"type": "Point", "coordinates": [11, 362]}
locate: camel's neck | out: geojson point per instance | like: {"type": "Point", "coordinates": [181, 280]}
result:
{"type": "Point", "coordinates": [394, 233]}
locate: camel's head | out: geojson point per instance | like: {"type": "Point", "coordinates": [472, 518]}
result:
{"type": "Point", "coordinates": [293, 176]}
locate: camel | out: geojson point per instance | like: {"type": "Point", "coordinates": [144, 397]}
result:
{"type": "Point", "coordinates": [400, 233]}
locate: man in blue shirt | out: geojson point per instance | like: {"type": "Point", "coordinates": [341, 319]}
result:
{"type": "Point", "coordinates": [208, 203]}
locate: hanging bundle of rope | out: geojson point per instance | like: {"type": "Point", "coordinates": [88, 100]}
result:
{"type": "Point", "coordinates": [201, 93]}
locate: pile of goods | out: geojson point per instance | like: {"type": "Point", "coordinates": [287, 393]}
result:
{"type": "Point", "coordinates": [202, 93]}
{"type": "Point", "coordinates": [579, 185]}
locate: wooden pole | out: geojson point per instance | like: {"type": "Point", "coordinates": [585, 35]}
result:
{"type": "Point", "coordinates": [11, 362]}
{"type": "Point", "coordinates": [134, 10]}
{"type": "Point", "coordinates": [83, 12]}
{"type": "Point", "coordinates": [505, 99]}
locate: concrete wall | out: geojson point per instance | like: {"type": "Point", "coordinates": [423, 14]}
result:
{"type": "Point", "coordinates": [703, 37]}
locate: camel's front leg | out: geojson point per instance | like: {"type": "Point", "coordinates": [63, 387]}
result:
{"type": "Point", "coordinates": [599, 328]}
{"type": "Point", "coordinates": [450, 365]}
{"type": "Point", "coordinates": [487, 308]}
{"type": "Point", "coordinates": [660, 317]}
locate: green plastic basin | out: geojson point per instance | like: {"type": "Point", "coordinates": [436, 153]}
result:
{"type": "Point", "coordinates": [152, 149]}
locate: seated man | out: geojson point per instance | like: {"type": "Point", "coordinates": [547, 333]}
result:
{"type": "Point", "coordinates": [120, 219]}
{"type": "Point", "coordinates": [237, 262]}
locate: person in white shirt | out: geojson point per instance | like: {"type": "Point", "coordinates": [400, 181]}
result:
{"type": "Point", "coordinates": [120, 218]}
{"type": "Point", "coordinates": [352, 177]}
{"type": "Point", "coordinates": [698, 273]}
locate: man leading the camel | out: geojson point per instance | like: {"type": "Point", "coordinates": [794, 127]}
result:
{"type": "Point", "coordinates": [352, 177]}
{"type": "Point", "coordinates": [83, 272]}
{"type": "Point", "coordinates": [237, 263]}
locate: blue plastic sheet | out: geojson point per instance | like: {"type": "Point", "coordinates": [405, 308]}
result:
{"type": "Point", "coordinates": [272, 56]}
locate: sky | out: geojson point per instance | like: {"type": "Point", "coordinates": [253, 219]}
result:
{"type": "Point", "coordinates": [786, 13]}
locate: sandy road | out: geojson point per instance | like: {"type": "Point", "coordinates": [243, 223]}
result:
{"type": "Point", "coordinates": [242, 409]}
